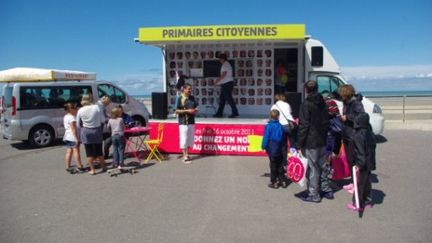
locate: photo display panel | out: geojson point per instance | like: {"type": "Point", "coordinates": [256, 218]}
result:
{"type": "Point", "coordinates": [253, 71]}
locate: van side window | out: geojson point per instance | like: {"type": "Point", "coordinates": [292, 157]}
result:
{"type": "Point", "coordinates": [7, 95]}
{"type": "Point", "coordinates": [38, 97]}
{"type": "Point", "coordinates": [74, 94]}
{"type": "Point", "coordinates": [35, 97]}
{"type": "Point", "coordinates": [115, 94]}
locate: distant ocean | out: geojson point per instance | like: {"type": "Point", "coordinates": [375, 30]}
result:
{"type": "Point", "coordinates": [148, 96]}
{"type": "Point", "coordinates": [396, 93]}
{"type": "Point", "coordinates": [364, 93]}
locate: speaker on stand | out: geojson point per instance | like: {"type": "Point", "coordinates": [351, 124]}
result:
{"type": "Point", "coordinates": [159, 105]}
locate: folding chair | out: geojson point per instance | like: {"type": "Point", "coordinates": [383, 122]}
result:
{"type": "Point", "coordinates": [153, 145]}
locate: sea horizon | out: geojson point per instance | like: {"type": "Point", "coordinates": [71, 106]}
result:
{"type": "Point", "coordinates": [372, 93]}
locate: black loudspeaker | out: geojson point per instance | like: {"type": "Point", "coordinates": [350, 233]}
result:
{"type": "Point", "coordinates": [317, 56]}
{"type": "Point", "coordinates": [159, 105]}
{"type": "Point", "coordinates": [294, 99]}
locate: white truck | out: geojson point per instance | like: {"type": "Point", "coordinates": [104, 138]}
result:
{"type": "Point", "coordinates": [255, 52]}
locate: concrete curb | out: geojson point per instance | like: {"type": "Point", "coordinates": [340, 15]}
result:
{"type": "Point", "coordinates": [422, 125]}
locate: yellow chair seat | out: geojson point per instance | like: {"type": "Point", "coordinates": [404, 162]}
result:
{"type": "Point", "coordinates": [153, 145]}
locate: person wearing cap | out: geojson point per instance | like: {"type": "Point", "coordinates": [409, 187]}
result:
{"type": "Point", "coordinates": [226, 81]}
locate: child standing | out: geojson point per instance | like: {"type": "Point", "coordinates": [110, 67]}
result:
{"type": "Point", "coordinates": [334, 134]}
{"type": "Point", "coordinates": [71, 138]}
{"type": "Point", "coordinates": [273, 141]}
{"type": "Point", "coordinates": [116, 126]}
{"type": "Point", "coordinates": [334, 137]}
{"type": "Point", "coordinates": [364, 157]}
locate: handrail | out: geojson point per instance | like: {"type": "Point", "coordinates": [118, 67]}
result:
{"type": "Point", "coordinates": [397, 96]}
{"type": "Point", "coordinates": [405, 103]}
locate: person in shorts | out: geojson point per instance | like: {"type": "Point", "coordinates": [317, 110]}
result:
{"type": "Point", "coordinates": [186, 110]}
{"type": "Point", "coordinates": [90, 119]}
{"type": "Point", "coordinates": [71, 138]}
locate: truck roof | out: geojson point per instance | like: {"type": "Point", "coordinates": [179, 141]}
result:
{"type": "Point", "coordinates": [25, 74]}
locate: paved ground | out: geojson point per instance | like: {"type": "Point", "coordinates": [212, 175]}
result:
{"type": "Point", "coordinates": [216, 199]}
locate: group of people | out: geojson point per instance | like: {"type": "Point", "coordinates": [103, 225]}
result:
{"type": "Point", "coordinates": [86, 125]}
{"type": "Point", "coordinates": [319, 134]}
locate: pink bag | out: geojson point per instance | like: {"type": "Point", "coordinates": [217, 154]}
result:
{"type": "Point", "coordinates": [340, 166]}
{"type": "Point", "coordinates": [296, 168]}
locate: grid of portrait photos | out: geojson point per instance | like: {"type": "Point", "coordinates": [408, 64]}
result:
{"type": "Point", "coordinates": [254, 74]}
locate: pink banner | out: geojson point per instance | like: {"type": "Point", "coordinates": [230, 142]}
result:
{"type": "Point", "coordinates": [228, 139]}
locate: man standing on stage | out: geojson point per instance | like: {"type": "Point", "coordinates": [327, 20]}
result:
{"type": "Point", "coordinates": [226, 82]}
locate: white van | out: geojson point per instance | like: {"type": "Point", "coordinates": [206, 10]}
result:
{"type": "Point", "coordinates": [33, 99]}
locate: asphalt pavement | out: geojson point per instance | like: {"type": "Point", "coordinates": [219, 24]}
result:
{"type": "Point", "coordinates": [215, 199]}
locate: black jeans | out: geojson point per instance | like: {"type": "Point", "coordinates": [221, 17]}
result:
{"type": "Point", "coordinates": [107, 144]}
{"type": "Point", "coordinates": [285, 147]}
{"type": "Point", "coordinates": [276, 169]}
{"type": "Point", "coordinates": [226, 96]}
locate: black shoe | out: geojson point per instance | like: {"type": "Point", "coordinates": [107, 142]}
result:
{"type": "Point", "coordinates": [273, 185]}
{"type": "Point", "coordinates": [217, 115]}
{"type": "Point", "coordinates": [368, 202]}
{"type": "Point", "coordinates": [233, 116]}
{"type": "Point", "coordinates": [70, 170]}
{"type": "Point", "coordinates": [283, 184]}
{"type": "Point", "coordinates": [310, 199]}
{"type": "Point", "coordinates": [328, 195]}
{"type": "Point", "coordinates": [80, 170]}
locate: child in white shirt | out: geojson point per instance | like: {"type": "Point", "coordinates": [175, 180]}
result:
{"type": "Point", "coordinates": [71, 138]}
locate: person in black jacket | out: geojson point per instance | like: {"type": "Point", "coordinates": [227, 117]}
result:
{"type": "Point", "coordinates": [352, 108]}
{"type": "Point", "coordinates": [312, 138]}
{"type": "Point", "coordinates": [364, 157]}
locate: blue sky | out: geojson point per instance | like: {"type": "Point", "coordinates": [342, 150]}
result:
{"type": "Point", "coordinates": [369, 39]}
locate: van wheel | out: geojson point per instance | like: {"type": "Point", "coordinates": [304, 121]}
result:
{"type": "Point", "coordinates": [41, 136]}
{"type": "Point", "coordinates": [139, 121]}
